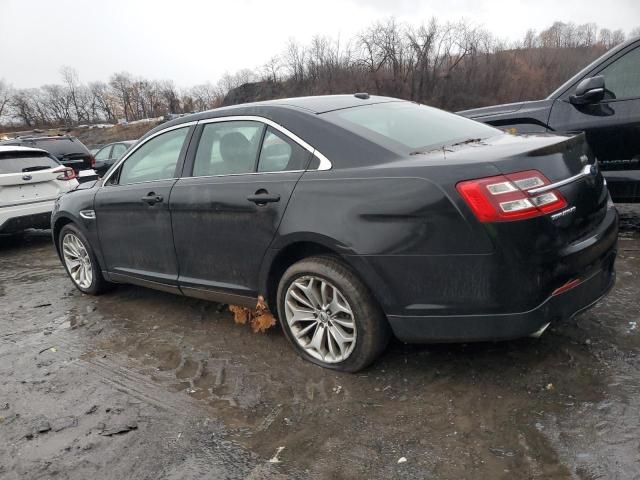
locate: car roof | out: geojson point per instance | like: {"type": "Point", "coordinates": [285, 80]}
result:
{"type": "Point", "coordinates": [44, 137]}
{"type": "Point", "coordinates": [313, 105]}
{"type": "Point", "coordinates": [125, 142]}
{"type": "Point", "coordinates": [17, 148]}
{"type": "Point", "coordinates": [321, 103]}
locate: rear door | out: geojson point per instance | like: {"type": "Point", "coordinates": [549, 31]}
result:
{"type": "Point", "coordinates": [226, 211]}
{"type": "Point", "coordinates": [132, 211]}
{"type": "Point", "coordinates": [612, 126]}
{"type": "Point", "coordinates": [29, 177]}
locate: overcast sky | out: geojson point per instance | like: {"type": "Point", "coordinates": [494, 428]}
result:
{"type": "Point", "coordinates": [195, 41]}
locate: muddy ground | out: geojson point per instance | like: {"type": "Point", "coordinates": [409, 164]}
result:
{"type": "Point", "coordinates": [146, 385]}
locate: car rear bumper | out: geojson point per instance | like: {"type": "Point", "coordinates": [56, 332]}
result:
{"type": "Point", "coordinates": [489, 327]}
{"type": "Point", "coordinates": [519, 302]}
{"type": "Point", "coordinates": [20, 217]}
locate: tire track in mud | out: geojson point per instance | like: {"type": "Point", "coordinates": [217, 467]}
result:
{"type": "Point", "coordinates": [207, 454]}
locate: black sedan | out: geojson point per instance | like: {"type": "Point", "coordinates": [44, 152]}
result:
{"type": "Point", "coordinates": [356, 218]}
{"type": "Point", "coordinates": [108, 154]}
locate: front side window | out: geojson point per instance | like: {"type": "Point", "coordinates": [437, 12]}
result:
{"type": "Point", "coordinates": [408, 126]}
{"type": "Point", "coordinates": [227, 148]}
{"type": "Point", "coordinates": [155, 160]}
{"type": "Point", "coordinates": [280, 153]}
{"type": "Point", "coordinates": [622, 77]}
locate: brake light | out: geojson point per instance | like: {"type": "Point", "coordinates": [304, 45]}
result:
{"type": "Point", "coordinates": [93, 161]}
{"type": "Point", "coordinates": [66, 173]}
{"type": "Point", "coordinates": [506, 197]}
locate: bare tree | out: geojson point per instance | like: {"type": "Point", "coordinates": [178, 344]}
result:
{"type": "Point", "coordinates": [451, 65]}
{"type": "Point", "coordinates": [5, 96]}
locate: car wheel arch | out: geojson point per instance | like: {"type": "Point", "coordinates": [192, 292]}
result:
{"type": "Point", "coordinates": [299, 250]}
{"type": "Point", "coordinates": [57, 227]}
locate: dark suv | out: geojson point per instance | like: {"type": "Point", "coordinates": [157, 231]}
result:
{"type": "Point", "coordinates": [69, 151]}
{"type": "Point", "coordinates": [603, 100]}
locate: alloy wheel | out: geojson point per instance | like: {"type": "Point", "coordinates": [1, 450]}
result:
{"type": "Point", "coordinates": [76, 258]}
{"type": "Point", "coordinates": [320, 319]}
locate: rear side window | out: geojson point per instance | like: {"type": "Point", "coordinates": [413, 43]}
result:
{"type": "Point", "coordinates": [228, 148]}
{"type": "Point", "coordinates": [622, 77]}
{"type": "Point", "coordinates": [280, 153]}
{"type": "Point", "coordinates": [59, 146]}
{"type": "Point", "coordinates": [407, 126]}
{"type": "Point", "coordinates": [19, 162]}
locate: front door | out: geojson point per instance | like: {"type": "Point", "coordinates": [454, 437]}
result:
{"type": "Point", "coordinates": [612, 126]}
{"type": "Point", "coordinates": [226, 214]}
{"type": "Point", "coordinates": [132, 213]}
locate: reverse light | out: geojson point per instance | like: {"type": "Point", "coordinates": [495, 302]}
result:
{"type": "Point", "coordinates": [66, 173]}
{"type": "Point", "coordinates": [506, 197]}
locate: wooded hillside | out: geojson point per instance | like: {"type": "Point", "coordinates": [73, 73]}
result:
{"type": "Point", "coordinates": [448, 65]}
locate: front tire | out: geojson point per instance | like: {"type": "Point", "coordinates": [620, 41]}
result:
{"type": "Point", "coordinates": [329, 315]}
{"type": "Point", "coordinates": [80, 261]}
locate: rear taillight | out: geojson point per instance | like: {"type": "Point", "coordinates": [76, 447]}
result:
{"type": "Point", "coordinates": [66, 173]}
{"type": "Point", "coordinates": [93, 161]}
{"type": "Point", "coordinates": [506, 197]}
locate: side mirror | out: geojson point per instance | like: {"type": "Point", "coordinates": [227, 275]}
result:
{"type": "Point", "coordinates": [589, 90]}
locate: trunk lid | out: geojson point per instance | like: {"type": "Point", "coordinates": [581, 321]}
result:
{"type": "Point", "coordinates": [563, 160]}
{"type": "Point", "coordinates": [568, 163]}
{"type": "Point", "coordinates": [27, 177]}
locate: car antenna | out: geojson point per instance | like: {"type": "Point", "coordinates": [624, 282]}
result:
{"type": "Point", "coordinates": [361, 95]}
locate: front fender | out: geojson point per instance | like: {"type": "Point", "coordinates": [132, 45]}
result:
{"type": "Point", "coordinates": [67, 210]}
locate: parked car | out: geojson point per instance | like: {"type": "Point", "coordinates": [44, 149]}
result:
{"type": "Point", "coordinates": [30, 180]}
{"type": "Point", "coordinates": [69, 151]}
{"type": "Point", "coordinates": [602, 100]}
{"type": "Point", "coordinates": [355, 217]}
{"type": "Point", "coordinates": [93, 149]}
{"type": "Point", "coordinates": [109, 154]}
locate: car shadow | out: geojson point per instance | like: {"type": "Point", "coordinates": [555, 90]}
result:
{"type": "Point", "coordinates": [28, 239]}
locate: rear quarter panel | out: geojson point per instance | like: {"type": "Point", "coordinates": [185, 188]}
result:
{"type": "Point", "coordinates": [398, 229]}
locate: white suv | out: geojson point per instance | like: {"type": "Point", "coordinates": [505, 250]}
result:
{"type": "Point", "coordinates": [30, 181]}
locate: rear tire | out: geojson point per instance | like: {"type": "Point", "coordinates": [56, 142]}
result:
{"type": "Point", "coordinates": [329, 315]}
{"type": "Point", "coordinates": [80, 261]}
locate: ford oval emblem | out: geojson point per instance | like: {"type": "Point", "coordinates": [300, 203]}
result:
{"type": "Point", "coordinates": [26, 178]}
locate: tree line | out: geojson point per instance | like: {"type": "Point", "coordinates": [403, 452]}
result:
{"type": "Point", "coordinates": [451, 65]}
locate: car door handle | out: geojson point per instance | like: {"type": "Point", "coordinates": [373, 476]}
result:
{"type": "Point", "coordinates": [262, 197]}
{"type": "Point", "coordinates": [152, 198]}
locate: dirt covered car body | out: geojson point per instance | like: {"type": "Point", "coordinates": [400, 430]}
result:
{"type": "Point", "coordinates": [354, 216]}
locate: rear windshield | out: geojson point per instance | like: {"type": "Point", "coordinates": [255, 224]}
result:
{"type": "Point", "coordinates": [409, 126]}
{"type": "Point", "coordinates": [19, 162]}
{"type": "Point", "coordinates": [60, 147]}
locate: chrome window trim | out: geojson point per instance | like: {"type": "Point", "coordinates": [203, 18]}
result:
{"type": "Point", "coordinates": [325, 163]}
{"type": "Point", "coordinates": [136, 147]}
{"type": "Point", "coordinates": [585, 172]}
{"type": "Point", "coordinates": [243, 174]}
